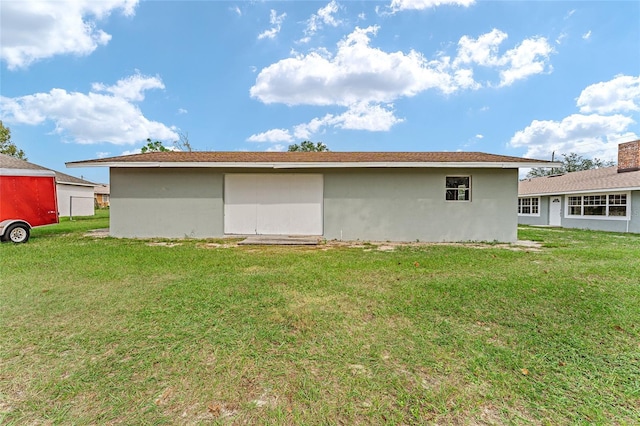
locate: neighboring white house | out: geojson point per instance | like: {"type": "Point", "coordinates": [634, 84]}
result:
{"type": "Point", "coordinates": [75, 195]}
{"type": "Point", "coordinates": [606, 199]}
{"type": "Point", "coordinates": [395, 196]}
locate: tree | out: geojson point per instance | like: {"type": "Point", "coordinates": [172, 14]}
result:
{"type": "Point", "coordinates": [7, 147]}
{"type": "Point", "coordinates": [183, 143]}
{"type": "Point", "coordinates": [155, 146]}
{"type": "Point", "coordinates": [308, 146]}
{"type": "Point", "coordinates": [571, 163]}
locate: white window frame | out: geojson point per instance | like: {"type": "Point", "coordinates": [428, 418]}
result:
{"type": "Point", "coordinates": [468, 189]}
{"type": "Point", "coordinates": [530, 205]}
{"type": "Point", "coordinates": [607, 205]}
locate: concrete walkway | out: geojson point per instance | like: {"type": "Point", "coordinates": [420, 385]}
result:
{"type": "Point", "coordinates": [280, 240]}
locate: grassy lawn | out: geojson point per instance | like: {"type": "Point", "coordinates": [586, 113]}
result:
{"type": "Point", "coordinates": [100, 330]}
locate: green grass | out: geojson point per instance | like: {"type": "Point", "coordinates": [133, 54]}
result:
{"type": "Point", "coordinates": [97, 331]}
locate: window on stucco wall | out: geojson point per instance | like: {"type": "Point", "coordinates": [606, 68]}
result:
{"type": "Point", "coordinates": [529, 206]}
{"type": "Point", "coordinates": [598, 206]}
{"type": "Point", "coordinates": [458, 188]}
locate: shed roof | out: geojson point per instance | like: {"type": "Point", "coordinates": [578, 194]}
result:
{"type": "Point", "coordinates": [602, 179]}
{"type": "Point", "coordinates": [313, 159]}
{"type": "Point", "coordinates": [9, 162]}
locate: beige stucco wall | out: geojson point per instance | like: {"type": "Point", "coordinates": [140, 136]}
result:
{"type": "Point", "coordinates": [364, 204]}
{"type": "Point", "coordinates": [171, 203]}
{"type": "Point", "coordinates": [410, 205]}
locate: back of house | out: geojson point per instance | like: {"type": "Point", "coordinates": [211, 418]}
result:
{"type": "Point", "coordinates": [27, 199]}
{"type": "Point", "coordinates": [604, 199]}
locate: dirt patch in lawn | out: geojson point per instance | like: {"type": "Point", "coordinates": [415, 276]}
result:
{"type": "Point", "coordinates": [521, 245]}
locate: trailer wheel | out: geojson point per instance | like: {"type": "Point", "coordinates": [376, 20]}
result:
{"type": "Point", "coordinates": [17, 233]}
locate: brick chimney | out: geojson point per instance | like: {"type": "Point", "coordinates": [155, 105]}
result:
{"type": "Point", "coordinates": [629, 156]}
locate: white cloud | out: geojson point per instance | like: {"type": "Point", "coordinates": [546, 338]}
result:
{"type": "Point", "coordinates": [182, 111]}
{"type": "Point", "coordinates": [365, 116]}
{"type": "Point", "coordinates": [274, 135]}
{"type": "Point", "coordinates": [482, 51]}
{"type": "Point", "coordinates": [36, 29]}
{"type": "Point", "coordinates": [528, 58]}
{"type": "Point", "coordinates": [275, 20]}
{"type": "Point", "coordinates": [130, 88]}
{"type": "Point", "coordinates": [618, 95]}
{"type": "Point", "coordinates": [92, 117]}
{"type": "Point", "coordinates": [478, 136]}
{"type": "Point", "coordinates": [399, 5]}
{"type": "Point", "coordinates": [102, 154]}
{"type": "Point", "coordinates": [587, 35]}
{"type": "Point", "coordinates": [359, 116]}
{"type": "Point", "coordinates": [595, 132]}
{"type": "Point", "coordinates": [276, 148]}
{"type": "Point", "coordinates": [358, 72]}
{"type": "Point", "coordinates": [324, 16]}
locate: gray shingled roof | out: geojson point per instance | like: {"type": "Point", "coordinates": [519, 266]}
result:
{"type": "Point", "coordinates": [9, 162]}
{"type": "Point", "coordinates": [307, 157]}
{"type": "Point", "coordinates": [596, 180]}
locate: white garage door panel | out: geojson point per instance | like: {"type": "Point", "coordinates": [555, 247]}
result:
{"type": "Point", "coordinates": [273, 204]}
{"type": "Point", "coordinates": [240, 204]}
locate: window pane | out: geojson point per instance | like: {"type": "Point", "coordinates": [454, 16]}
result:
{"type": "Point", "coordinates": [457, 181]}
{"type": "Point", "coordinates": [595, 200]}
{"type": "Point", "coordinates": [575, 210]}
{"type": "Point", "coordinates": [575, 201]}
{"type": "Point", "coordinates": [458, 188]}
{"type": "Point", "coordinates": [618, 200]}
{"type": "Point", "coordinates": [457, 195]}
{"type": "Point", "coordinates": [617, 210]}
{"type": "Point", "coordinates": [595, 210]}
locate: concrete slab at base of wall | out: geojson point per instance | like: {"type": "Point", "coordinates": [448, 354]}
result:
{"type": "Point", "coordinates": [280, 240]}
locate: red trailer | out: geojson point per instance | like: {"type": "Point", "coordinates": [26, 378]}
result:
{"type": "Point", "coordinates": [27, 199]}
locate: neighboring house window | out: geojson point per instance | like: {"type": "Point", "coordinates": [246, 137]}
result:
{"type": "Point", "coordinates": [598, 205]}
{"type": "Point", "coordinates": [458, 188]}
{"type": "Point", "coordinates": [529, 206]}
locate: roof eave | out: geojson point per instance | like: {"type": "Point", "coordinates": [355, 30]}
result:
{"type": "Point", "coordinates": [63, 182]}
{"type": "Point", "coordinates": [315, 165]}
{"type": "Point", "coordinates": [580, 191]}
{"type": "Point", "coordinates": [27, 172]}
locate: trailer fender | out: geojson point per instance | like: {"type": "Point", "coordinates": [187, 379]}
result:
{"type": "Point", "coordinates": [6, 226]}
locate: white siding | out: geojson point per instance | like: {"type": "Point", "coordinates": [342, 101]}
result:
{"type": "Point", "coordinates": [75, 200]}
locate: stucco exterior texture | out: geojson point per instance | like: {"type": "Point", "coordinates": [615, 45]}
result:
{"type": "Point", "coordinates": [374, 204]}
{"type": "Point", "coordinates": [631, 223]}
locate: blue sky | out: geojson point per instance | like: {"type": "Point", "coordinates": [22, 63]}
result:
{"type": "Point", "coordinates": [87, 79]}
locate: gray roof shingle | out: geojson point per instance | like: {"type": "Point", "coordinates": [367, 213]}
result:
{"type": "Point", "coordinates": [307, 157]}
{"type": "Point", "coordinates": [9, 162]}
{"type": "Point", "coordinates": [595, 180]}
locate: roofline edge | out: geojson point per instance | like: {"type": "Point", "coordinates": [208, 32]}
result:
{"type": "Point", "coordinates": [317, 165]}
